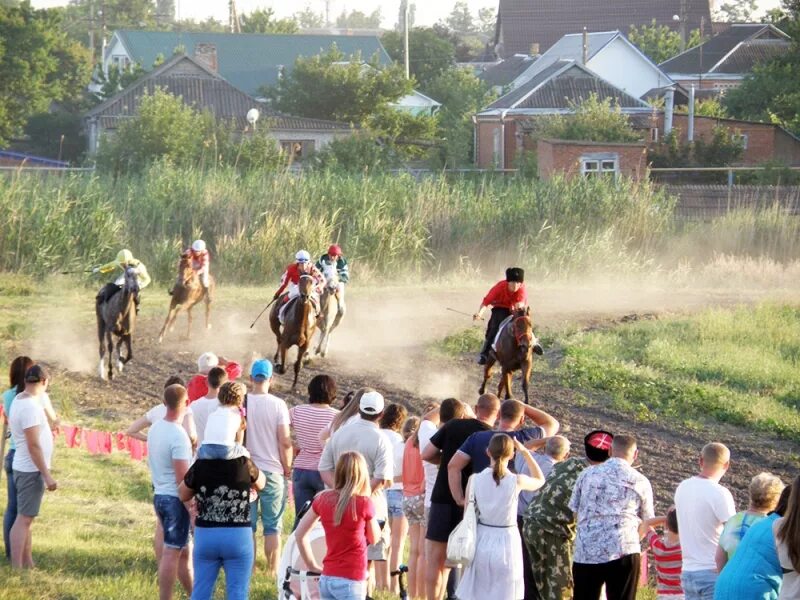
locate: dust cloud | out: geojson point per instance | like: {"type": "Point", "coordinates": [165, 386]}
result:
{"type": "Point", "coordinates": [66, 338]}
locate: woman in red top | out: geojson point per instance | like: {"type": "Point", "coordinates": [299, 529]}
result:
{"type": "Point", "coordinates": [504, 297]}
{"type": "Point", "coordinates": [348, 518]}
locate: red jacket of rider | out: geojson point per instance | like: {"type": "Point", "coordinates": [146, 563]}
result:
{"type": "Point", "coordinates": [292, 275]}
{"type": "Point", "coordinates": [501, 297]}
{"type": "Point", "coordinates": [200, 260]}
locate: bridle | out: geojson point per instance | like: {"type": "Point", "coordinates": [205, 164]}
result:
{"type": "Point", "coordinates": [527, 334]}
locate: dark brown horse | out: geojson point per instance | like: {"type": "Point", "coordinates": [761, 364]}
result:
{"type": "Point", "coordinates": [187, 292]}
{"type": "Point", "coordinates": [299, 324]}
{"type": "Point", "coordinates": [117, 317]}
{"type": "Point", "coordinates": [514, 351]}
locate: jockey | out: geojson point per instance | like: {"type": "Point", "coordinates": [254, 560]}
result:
{"type": "Point", "coordinates": [291, 278]}
{"type": "Point", "coordinates": [505, 297]}
{"type": "Point", "coordinates": [117, 267]}
{"type": "Point", "coordinates": [201, 261]}
{"type": "Point", "coordinates": [334, 259]}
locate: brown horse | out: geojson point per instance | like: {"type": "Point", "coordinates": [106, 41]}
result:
{"type": "Point", "coordinates": [514, 351]}
{"type": "Point", "coordinates": [299, 324]}
{"type": "Point", "coordinates": [117, 317]}
{"type": "Point", "coordinates": [187, 292]}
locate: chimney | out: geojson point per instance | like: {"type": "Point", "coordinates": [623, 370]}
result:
{"type": "Point", "coordinates": [669, 109]}
{"type": "Point", "coordinates": [585, 46]}
{"type": "Point", "coordinates": [535, 49]}
{"type": "Point", "coordinates": [206, 54]}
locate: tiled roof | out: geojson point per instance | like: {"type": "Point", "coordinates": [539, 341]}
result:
{"type": "Point", "coordinates": [752, 42]}
{"type": "Point", "coordinates": [183, 76]}
{"type": "Point", "coordinates": [560, 86]}
{"type": "Point", "coordinates": [524, 22]}
{"type": "Point", "coordinates": [506, 71]}
{"type": "Point", "coordinates": [247, 60]}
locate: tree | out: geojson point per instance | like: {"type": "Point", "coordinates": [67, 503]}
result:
{"type": "Point", "coordinates": [210, 25]}
{"type": "Point", "coordinates": [487, 21]}
{"type": "Point", "coordinates": [56, 135]}
{"type": "Point", "coordinates": [430, 54]}
{"type": "Point", "coordinates": [723, 149]}
{"type": "Point", "coordinates": [659, 42]}
{"type": "Point", "coordinates": [412, 16]}
{"type": "Point", "coordinates": [338, 87]}
{"type": "Point", "coordinates": [462, 94]}
{"type": "Point", "coordinates": [710, 107]}
{"type": "Point", "coordinates": [39, 65]}
{"type": "Point", "coordinates": [84, 16]}
{"type": "Point", "coordinates": [165, 13]}
{"type": "Point", "coordinates": [591, 120]}
{"type": "Point", "coordinates": [309, 18]}
{"type": "Point", "coordinates": [460, 18]}
{"type": "Point", "coordinates": [737, 11]}
{"type": "Point", "coordinates": [359, 20]}
{"type": "Point", "coordinates": [263, 21]}
{"type": "Point", "coordinates": [117, 80]}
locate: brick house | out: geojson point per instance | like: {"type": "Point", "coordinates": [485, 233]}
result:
{"type": "Point", "coordinates": [727, 58]}
{"type": "Point", "coordinates": [523, 23]}
{"type": "Point", "coordinates": [762, 141]}
{"type": "Point", "coordinates": [590, 159]}
{"type": "Point", "coordinates": [502, 129]}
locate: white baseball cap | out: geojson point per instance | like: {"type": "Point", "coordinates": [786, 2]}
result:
{"type": "Point", "coordinates": [371, 403]}
{"type": "Point", "coordinates": [207, 361]}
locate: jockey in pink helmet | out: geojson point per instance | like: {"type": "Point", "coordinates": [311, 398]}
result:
{"type": "Point", "coordinates": [334, 267]}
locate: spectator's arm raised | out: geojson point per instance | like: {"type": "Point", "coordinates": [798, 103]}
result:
{"type": "Point", "coordinates": [532, 482]}
{"type": "Point", "coordinates": [547, 422]}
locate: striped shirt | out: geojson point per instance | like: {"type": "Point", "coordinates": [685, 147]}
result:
{"type": "Point", "coordinates": [667, 560]}
{"type": "Point", "coordinates": [307, 421]}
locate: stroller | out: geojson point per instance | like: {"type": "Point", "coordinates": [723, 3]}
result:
{"type": "Point", "coordinates": [299, 583]}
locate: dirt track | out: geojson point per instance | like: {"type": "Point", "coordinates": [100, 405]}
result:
{"type": "Point", "coordinates": [382, 343]}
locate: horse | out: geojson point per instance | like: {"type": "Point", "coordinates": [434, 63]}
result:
{"type": "Point", "coordinates": [330, 310]}
{"type": "Point", "coordinates": [117, 316]}
{"type": "Point", "coordinates": [513, 349]}
{"type": "Point", "coordinates": [187, 292]}
{"type": "Point", "coordinates": [298, 328]}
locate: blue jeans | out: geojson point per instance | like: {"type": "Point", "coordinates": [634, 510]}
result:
{"type": "Point", "coordinates": [698, 585]}
{"type": "Point", "coordinates": [228, 547]}
{"type": "Point", "coordinates": [174, 520]}
{"type": "Point", "coordinates": [221, 452]}
{"type": "Point", "coordinates": [305, 485]}
{"type": "Point", "coordinates": [339, 588]}
{"type": "Point", "coordinates": [11, 507]}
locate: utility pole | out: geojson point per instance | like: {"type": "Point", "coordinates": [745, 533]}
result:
{"type": "Point", "coordinates": [91, 30]}
{"type": "Point", "coordinates": [405, 39]}
{"type": "Point", "coordinates": [683, 16]}
{"type": "Point", "coordinates": [327, 13]}
{"type": "Point", "coordinates": [233, 17]}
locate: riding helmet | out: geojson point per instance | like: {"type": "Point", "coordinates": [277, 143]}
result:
{"type": "Point", "coordinates": [515, 274]}
{"type": "Point", "coordinates": [302, 256]}
{"type": "Point", "coordinates": [334, 250]}
{"type": "Point", "coordinates": [199, 246]}
{"type": "Point", "coordinates": [125, 257]}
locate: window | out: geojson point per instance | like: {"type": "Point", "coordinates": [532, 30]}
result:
{"type": "Point", "coordinates": [600, 165]}
{"type": "Point", "coordinates": [296, 150]}
{"type": "Point", "coordinates": [120, 62]}
{"type": "Point", "coordinates": [741, 138]}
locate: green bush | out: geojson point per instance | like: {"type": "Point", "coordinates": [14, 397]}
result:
{"type": "Point", "coordinates": [592, 120]}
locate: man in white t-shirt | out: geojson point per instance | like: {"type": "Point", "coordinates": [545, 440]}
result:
{"type": "Point", "coordinates": [703, 506]}
{"type": "Point", "coordinates": [31, 466]}
{"type": "Point", "coordinates": [169, 452]}
{"type": "Point", "coordinates": [269, 442]}
{"type": "Point", "coordinates": [203, 407]}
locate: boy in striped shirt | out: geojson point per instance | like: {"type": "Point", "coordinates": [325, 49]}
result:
{"type": "Point", "coordinates": [666, 550]}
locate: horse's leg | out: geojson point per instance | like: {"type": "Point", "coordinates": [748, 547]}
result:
{"type": "Point", "coordinates": [301, 350]}
{"type": "Point", "coordinates": [110, 348]}
{"type": "Point", "coordinates": [282, 348]}
{"type": "Point", "coordinates": [120, 361]}
{"type": "Point", "coordinates": [128, 348]}
{"type": "Point", "coordinates": [505, 383]}
{"type": "Point", "coordinates": [189, 322]}
{"type": "Point", "coordinates": [101, 334]}
{"type": "Point", "coordinates": [487, 375]}
{"type": "Point", "coordinates": [171, 314]}
{"type": "Point", "coordinates": [526, 377]}
{"type": "Point", "coordinates": [208, 307]}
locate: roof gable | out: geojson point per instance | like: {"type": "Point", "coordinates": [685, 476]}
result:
{"type": "Point", "coordinates": [735, 50]}
{"type": "Point", "coordinates": [522, 23]}
{"type": "Point", "coordinates": [560, 86]}
{"type": "Point", "coordinates": [247, 60]}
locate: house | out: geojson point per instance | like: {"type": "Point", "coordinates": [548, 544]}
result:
{"type": "Point", "coordinates": [590, 159]}
{"type": "Point", "coordinates": [247, 60]}
{"type": "Point", "coordinates": [204, 89]}
{"type": "Point", "coordinates": [502, 75]}
{"type": "Point", "coordinates": [502, 129]}
{"type": "Point", "coordinates": [417, 103]}
{"type": "Point", "coordinates": [610, 55]}
{"type": "Point", "coordinates": [727, 58]}
{"type": "Point", "coordinates": [522, 23]}
{"type": "Point", "coordinates": [762, 142]}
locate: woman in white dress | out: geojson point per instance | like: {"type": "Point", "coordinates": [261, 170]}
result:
{"type": "Point", "coordinates": [496, 570]}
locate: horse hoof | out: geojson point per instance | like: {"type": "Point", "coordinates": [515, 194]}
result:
{"type": "Point", "coordinates": [160, 339]}
{"type": "Point", "coordinates": [120, 366]}
{"type": "Point", "coordinates": [537, 349]}
{"type": "Point", "coordinates": [101, 371]}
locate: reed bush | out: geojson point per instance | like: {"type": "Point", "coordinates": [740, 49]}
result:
{"type": "Point", "coordinates": [390, 225]}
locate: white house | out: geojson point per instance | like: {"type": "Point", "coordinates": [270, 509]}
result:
{"type": "Point", "coordinates": [610, 55]}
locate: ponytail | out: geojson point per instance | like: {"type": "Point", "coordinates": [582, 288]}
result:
{"type": "Point", "coordinates": [499, 471]}
{"type": "Point", "coordinates": [501, 449]}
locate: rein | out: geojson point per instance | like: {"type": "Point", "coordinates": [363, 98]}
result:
{"type": "Point", "coordinates": [518, 337]}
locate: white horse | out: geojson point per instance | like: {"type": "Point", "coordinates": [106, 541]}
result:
{"type": "Point", "coordinates": [331, 309]}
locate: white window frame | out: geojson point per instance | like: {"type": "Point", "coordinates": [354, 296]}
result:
{"type": "Point", "coordinates": [600, 163]}
{"type": "Point", "coordinates": [741, 137]}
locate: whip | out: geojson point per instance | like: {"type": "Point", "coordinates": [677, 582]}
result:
{"type": "Point", "coordinates": [262, 312]}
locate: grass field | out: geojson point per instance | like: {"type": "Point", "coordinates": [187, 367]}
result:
{"type": "Point", "coordinates": [733, 365]}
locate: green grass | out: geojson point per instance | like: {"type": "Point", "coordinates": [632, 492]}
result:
{"type": "Point", "coordinates": [737, 366]}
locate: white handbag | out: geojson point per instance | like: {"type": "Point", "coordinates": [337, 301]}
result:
{"type": "Point", "coordinates": [461, 543]}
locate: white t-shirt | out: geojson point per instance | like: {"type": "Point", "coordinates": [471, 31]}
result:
{"type": "Point", "coordinates": [265, 413]}
{"type": "Point", "coordinates": [26, 412]}
{"type": "Point", "coordinates": [703, 507]}
{"type": "Point", "coordinates": [222, 426]}
{"type": "Point", "coordinates": [166, 441]}
{"type": "Point", "coordinates": [398, 446]}
{"type": "Point", "coordinates": [424, 435]}
{"type": "Point", "coordinates": [201, 408]}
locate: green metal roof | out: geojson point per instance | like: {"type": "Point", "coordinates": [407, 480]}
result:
{"type": "Point", "coordinates": [247, 60]}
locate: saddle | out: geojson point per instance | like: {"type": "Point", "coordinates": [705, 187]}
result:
{"type": "Point", "coordinates": [286, 302]}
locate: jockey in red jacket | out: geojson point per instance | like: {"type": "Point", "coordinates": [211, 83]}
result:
{"type": "Point", "coordinates": [291, 279]}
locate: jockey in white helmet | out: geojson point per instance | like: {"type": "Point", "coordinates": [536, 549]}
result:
{"type": "Point", "coordinates": [291, 278]}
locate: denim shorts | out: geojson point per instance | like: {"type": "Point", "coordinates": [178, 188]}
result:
{"type": "Point", "coordinates": [340, 588]}
{"type": "Point", "coordinates": [272, 501]}
{"type": "Point", "coordinates": [174, 520]}
{"type": "Point", "coordinates": [394, 500]}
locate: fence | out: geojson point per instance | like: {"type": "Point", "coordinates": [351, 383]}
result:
{"type": "Point", "coordinates": [705, 202]}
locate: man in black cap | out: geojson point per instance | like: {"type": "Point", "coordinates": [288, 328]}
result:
{"type": "Point", "coordinates": [504, 297]}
